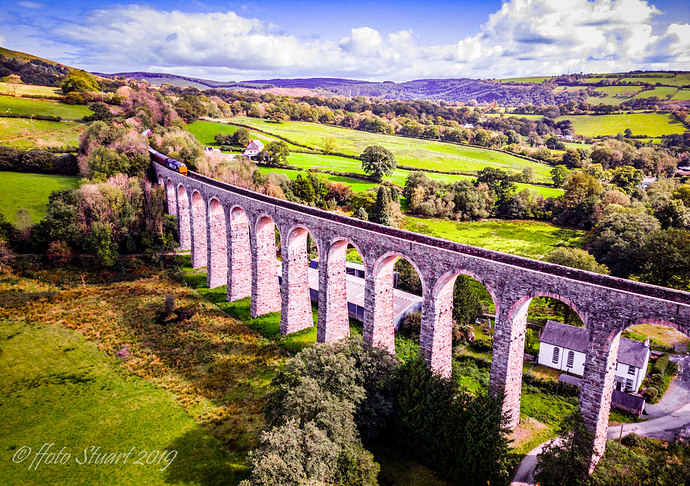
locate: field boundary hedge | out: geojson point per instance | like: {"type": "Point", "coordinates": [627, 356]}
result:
{"type": "Point", "coordinates": [33, 117]}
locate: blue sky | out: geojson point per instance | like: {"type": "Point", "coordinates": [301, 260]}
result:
{"type": "Point", "coordinates": [382, 40]}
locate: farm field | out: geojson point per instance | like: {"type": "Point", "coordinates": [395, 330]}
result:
{"type": "Point", "coordinates": [23, 134]}
{"type": "Point", "coordinates": [662, 92]}
{"type": "Point", "coordinates": [422, 154]}
{"type": "Point", "coordinates": [355, 184]}
{"type": "Point", "coordinates": [30, 191]}
{"type": "Point", "coordinates": [44, 107]}
{"type": "Point", "coordinates": [58, 388]}
{"type": "Point", "coordinates": [514, 115]}
{"type": "Point", "coordinates": [682, 95]}
{"type": "Point", "coordinates": [531, 239]}
{"type": "Point", "coordinates": [615, 94]}
{"type": "Point", "coordinates": [28, 89]}
{"type": "Point", "coordinates": [650, 124]}
{"type": "Point", "coordinates": [205, 131]}
{"type": "Point", "coordinates": [529, 79]}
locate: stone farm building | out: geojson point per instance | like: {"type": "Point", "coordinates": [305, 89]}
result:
{"type": "Point", "coordinates": [253, 148]}
{"type": "Point", "coordinates": [564, 347]}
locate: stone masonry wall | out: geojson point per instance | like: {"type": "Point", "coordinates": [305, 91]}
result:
{"type": "Point", "coordinates": [217, 273]}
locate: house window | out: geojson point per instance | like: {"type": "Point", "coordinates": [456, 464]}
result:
{"type": "Point", "coordinates": [554, 359]}
{"type": "Point", "coordinates": [571, 359]}
{"type": "Point", "coordinates": [631, 370]}
{"type": "Point", "coordinates": [628, 385]}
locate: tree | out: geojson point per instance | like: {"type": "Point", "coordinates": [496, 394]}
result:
{"type": "Point", "coordinates": [572, 159]}
{"type": "Point", "coordinates": [498, 181]}
{"type": "Point", "coordinates": [627, 178]}
{"type": "Point", "coordinates": [466, 305]}
{"type": "Point", "coordinates": [241, 137]}
{"type": "Point", "coordinates": [576, 258]}
{"type": "Point", "coordinates": [303, 189]}
{"type": "Point", "coordinates": [565, 460]}
{"type": "Point", "coordinates": [408, 278]}
{"type": "Point", "coordinates": [618, 239]}
{"type": "Point", "coordinates": [99, 243]}
{"type": "Point", "coordinates": [559, 174]}
{"type": "Point", "coordinates": [528, 174]}
{"type": "Point", "coordinates": [580, 186]}
{"type": "Point", "coordinates": [377, 162]}
{"type": "Point", "coordinates": [275, 153]}
{"type": "Point", "coordinates": [667, 258]}
{"type": "Point", "coordinates": [279, 117]}
{"type": "Point", "coordinates": [329, 144]}
{"type": "Point", "coordinates": [382, 207]}
{"type": "Point", "coordinates": [14, 80]}
{"type": "Point", "coordinates": [79, 81]}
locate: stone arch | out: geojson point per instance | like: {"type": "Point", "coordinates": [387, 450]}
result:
{"type": "Point", "coordinates": [436, 338]}
{"type": "Point", "coordinates": [161, 182]}
{"type": "Point", "coordinates": [334, 323]}
{"type": "Point", "coordinates": [170, 196]}
{"type": "Point", "coordinates": [217, 259]}
{"type": "Point", "coordinates": [199, 236]}
{"type": "Point", "coordinates": [265, 288]}
{"type": "Point", "coordinates": [508, 350]}
{"type": "Point", "coordinates": [183, 219]}
{"type": "Point", "coordinates": [379, 328]}
{"type": "Point", "coordinates": [239, 256]}
{"type": "Point", "coordinates": [296, 313]}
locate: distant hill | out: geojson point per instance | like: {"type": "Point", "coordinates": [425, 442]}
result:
{"type": "Point", "coordinates": [32, 69]}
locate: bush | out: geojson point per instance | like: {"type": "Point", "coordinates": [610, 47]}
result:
{"type": "Point", "coordinates": [651, 393]}
{"type": "Point", "coordinates": [660, 365]}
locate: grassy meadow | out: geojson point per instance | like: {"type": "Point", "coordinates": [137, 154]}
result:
{"type": "Point", "coordinates": [205, 131]}
{"type": "Point", "coordinates": [25, 106]}
{"type": "Point", "coordinates": [28, 89]}
{"type": "Point", "coordinates": [414, 153]}
{"type": "Point", "coordinates": [531, 239]}
{"type": "Point", "coordinates": [26, 134]}
{"type": "Point", "coordinates": [128, 377]}
{"type": "Point", "coordinates": [650, 124]}
{"type": "Point", "coordinates": [30, 191]}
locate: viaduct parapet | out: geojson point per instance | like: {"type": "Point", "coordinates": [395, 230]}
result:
{"type": "Point", "coordinates": [231, 231]}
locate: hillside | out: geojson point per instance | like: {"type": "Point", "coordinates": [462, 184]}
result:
{"type": "Point", "coordinates": [32, 69]}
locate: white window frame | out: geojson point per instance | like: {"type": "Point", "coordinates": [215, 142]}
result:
{"type": "Point", "coordinates": [556, 355]}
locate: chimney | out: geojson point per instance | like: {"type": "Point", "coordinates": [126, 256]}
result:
{"type": "Point", "coordinates": [646, 342]}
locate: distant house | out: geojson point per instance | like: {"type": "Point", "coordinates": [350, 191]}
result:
{"type": "Point", "coordinates": [564, 347]}
{"type": "Point", "coordinates": [683, 171]}
{"type": "Point", "coordinates": [253, 148]}
{"type": "Point", "coordinates": [646, 181]}
{"type": "Point", "coordinates": [468, 125]}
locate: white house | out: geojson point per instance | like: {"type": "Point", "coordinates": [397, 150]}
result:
{"type": "Point", "coordinates": [253, 148]}
{"type": "Point", "coordinates": [564, 347]}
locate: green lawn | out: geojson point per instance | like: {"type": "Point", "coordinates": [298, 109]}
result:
{"type": "Point", "coordinates": [57, 388]}
{"type": "Point", "coordinates": [24, 106]}
{"type": "Point", "coordinates": [651, 124]}
{"type": "Point", "coordinates": [27, 134]}
{"type": "Point", "coordinates": [415, 153]}
{"type": "Point", "coordinates": [532, 239]}
{"type": "Point", "coordinates": [30, 191]}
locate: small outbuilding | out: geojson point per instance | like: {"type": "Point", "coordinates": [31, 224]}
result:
{"type": "Point", "coordinates": [254, 147]}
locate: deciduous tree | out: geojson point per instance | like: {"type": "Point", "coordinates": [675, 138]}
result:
{"type": "Point", "coordinates": [377, 162]}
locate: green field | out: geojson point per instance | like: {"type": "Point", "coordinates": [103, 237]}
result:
{"type": "Point", "coordinates": [30, 191]}
{"type": "Point", "coordinates": [57, 388]}
{"type": "Point", "coordinates": [422, 154]}
{"type": "Point", "coordinates": [650, 124]}
{"type": "Point", "coordinates": [205, 132]}
{"type": "Point", "coordinates": [682, 95]}
{"type": "Point", "coordinates": [28, 89]}
{"type": "Point", "coordinates": [662, 92]}
{"type": "Point", "coordinates": [355, 184]}
{"type": "Point", "coordinates": [615, 94]}
{"type": "Point", "coordinates": [529, 79]}
{"type": "Point", "coordinates": [27, 134]}
{"type": "Point", "coordinates": [531, 239]}
{"type": "Point", "coordinates": [25, 106]}
{"type": "Point", "coordinates": [515, 115]}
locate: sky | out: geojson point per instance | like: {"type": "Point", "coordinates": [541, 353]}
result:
{"type": "Point", "coordinates": [383, 40]}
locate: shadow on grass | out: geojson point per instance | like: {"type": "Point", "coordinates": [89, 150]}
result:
{"type": "Point", "coordinates": [200, 461]}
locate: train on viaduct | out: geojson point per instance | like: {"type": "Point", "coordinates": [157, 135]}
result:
{"type": "Point", "coordinates": [231, 231]}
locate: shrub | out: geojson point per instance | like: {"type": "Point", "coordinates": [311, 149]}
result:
{"type": "Point", "coordinates": [59, 253]}
{"type": "Point", "coordinates": [651, 393]}
{"type": "Point", "coordinates": [660, 365]}
{"type": "Point", "coordinates": [411, 325]}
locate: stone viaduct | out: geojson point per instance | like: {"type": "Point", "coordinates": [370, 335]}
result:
{"type": "Point", "coordinates": [231, 231]}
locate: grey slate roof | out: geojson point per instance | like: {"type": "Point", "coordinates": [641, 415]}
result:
{"type": "Point", "coordinates": [570, 337]}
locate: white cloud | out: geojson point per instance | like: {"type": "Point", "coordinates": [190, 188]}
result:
{"type": "Point", "coordinates": [31, 4]}
{"type": "Point", "coordinates": [523, 37]}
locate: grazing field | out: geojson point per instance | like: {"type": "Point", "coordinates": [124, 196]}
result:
{"type": "Point", "coordinates": [661, 92]}
{"type": "Point", "coordinates": [531, 239]}
{"type": "Point", "coordinates": [650, 124]}
{"type": "Point", "coordinates": [28, 89]}
{"type": "Point", "coordinates": [514, 115]}
{"type": "Point", "coordinates": [529, 79]}
{"type": "Point", "coordinates": [416, 153]}
{"type": "Point", "coordinates": [682, 95]}
{"type": "Point", "coordinates": [663, 78]}
{"type": "Point", "coordinates": [26, 106]}
{"type": "Point", "coordinates": [30, 191]}
{"type": "Point", "coordinates": [205, 132]}
{"type": "Point", "coordinates": [57, 388]}
{"type": "Point", "coordinates": [24, 134]}
{"type": "Point", "coordinates": [356, 184]}
{"type": "Point", "coordinates": [615, 94]}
